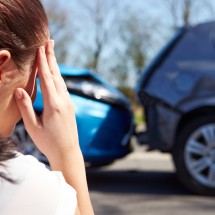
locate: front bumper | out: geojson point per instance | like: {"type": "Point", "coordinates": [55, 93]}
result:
{"type": "Point", "coordinates": [112, 139]}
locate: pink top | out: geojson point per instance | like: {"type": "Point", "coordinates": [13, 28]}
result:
{"type": "Point", "coordinates": [38, 191]}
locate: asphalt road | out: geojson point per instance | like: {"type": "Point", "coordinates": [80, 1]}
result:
{"type": "Point", "coordinates": [143, 184]}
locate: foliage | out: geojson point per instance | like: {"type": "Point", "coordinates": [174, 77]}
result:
{"type": "Point", "coordinates": [135, 35]}
{"type": "Point", "coordinates": [98, 18]}
{"type": "Point", "coordinates": [130, 93]}
{"type": "Point", "coordinates": [61, 28]}
{"type": "Point", "coordinates": [186, 12]}
{"type": "Point", "coordinates": [114, 38]}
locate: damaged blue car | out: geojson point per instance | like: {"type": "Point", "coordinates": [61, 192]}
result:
{"type": "Point", "coordinates": [103, 114]}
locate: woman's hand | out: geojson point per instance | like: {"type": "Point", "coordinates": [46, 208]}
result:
{"type": "Point", "coordinates": [55, 131]}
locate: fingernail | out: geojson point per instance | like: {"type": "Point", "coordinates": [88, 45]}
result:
{"type": "Point", "coordinates": [42, 49]}
{"type": "Point", "coordinates": [18, 94]}
{"type": "Point", "coordinates": [52, 43]}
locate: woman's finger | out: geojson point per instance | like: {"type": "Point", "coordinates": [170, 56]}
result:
{"type": "Point", "coordinates": [46, 79]}
{"type": "Point", "coordinates": [52, 62]}
{"type": "Point", "coordinates": [24, 104]}
{"type": "Point", "coordinates": [53, 66]}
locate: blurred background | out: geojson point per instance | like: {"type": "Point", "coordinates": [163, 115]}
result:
{"type": "Point", "coordinates": [117, 39]}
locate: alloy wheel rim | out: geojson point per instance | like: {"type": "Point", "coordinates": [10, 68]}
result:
{"type": "Point", "coordinates": [200, 155]}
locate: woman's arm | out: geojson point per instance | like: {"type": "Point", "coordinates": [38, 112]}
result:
{"type": "Point", "coordinates": [55, 131]}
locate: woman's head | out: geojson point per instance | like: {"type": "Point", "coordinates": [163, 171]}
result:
{"type": "Point", "coordinates": [23, 28]}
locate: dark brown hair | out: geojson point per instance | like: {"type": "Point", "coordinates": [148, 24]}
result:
{"type": "Point", "coordinates": [23, 28]}
{"type": "Point", "coordinates": [7, 151]}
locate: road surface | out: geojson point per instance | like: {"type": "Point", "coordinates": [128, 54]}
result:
{"type": "Point", "coordinates": [144, 183]}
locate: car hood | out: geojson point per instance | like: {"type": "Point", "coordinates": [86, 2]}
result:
{"type": "Point", "coordinates": [73, 71]}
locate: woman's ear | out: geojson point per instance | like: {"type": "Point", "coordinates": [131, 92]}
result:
{"type": "Point", "coordinates": [5, 58]}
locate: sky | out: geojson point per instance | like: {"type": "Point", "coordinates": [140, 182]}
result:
{"type": "Point", "coordinates": [154, 8]}
{"type": "Point", "coordinates": [153, 11]}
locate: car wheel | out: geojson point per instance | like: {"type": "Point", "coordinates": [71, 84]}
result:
{"type": "Point", "coordinates": [25, 144]}
{"type": "Point", "coordinates": [194, 155]}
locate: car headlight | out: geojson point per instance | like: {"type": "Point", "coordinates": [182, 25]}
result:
{"type": "Point", "coordinates": [87, 86]}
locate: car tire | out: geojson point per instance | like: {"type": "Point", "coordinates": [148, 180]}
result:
{"type": "Point", "coordinates": [194, 155]}
{"type": "Point", "coordinates": [25, 144]}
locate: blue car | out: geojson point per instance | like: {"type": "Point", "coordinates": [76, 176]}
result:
{"type": "Point", "coordinates": [103, 114]}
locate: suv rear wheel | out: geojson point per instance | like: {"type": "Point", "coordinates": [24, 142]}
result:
{"type": "Point", "coordinates": [194, 155]}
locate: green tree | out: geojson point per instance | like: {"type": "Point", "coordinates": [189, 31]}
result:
{"type": "Point", "coordinates": [135, 34]}
{"type": "Point", "coordinates": [97, 24]}
{"type": "Point", "coordinates": [186, 12]}
{"type": "Point", "coordinates": [61, 28]}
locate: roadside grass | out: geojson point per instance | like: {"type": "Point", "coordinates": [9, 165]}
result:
{"type": "Point", "coordinates": [139, 116]}
{"type": "Point", "coordinates": [138, 111]}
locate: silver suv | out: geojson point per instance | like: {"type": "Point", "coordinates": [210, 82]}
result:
{"type": "Point", "coordinates": [177, 91]}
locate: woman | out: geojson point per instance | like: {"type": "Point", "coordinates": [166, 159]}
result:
{"type": "Point", "coordinates": [26, 186]}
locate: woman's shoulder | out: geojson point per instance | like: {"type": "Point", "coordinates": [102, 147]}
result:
{"type": "Point", "coordinates": [37, 190]}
